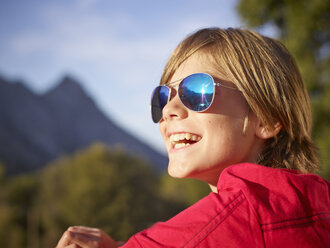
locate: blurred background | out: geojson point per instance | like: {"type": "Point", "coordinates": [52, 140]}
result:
{"type": "Point", "coordinates": [77, 144]}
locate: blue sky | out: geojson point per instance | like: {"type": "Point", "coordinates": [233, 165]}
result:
{"type": "Point", "coordinates": [116, 49]}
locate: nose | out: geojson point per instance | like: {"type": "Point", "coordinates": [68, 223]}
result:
{"type": "Point", "coordinates": [174, 109]}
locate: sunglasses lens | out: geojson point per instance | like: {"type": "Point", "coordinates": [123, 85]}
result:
{"type": "Point", "coordinates": [158, 101]}
{"type": "Point", "coordinates": [196, 91]}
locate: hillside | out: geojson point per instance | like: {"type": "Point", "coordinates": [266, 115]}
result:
{"type": "Point", "coordinates": [37, 128]}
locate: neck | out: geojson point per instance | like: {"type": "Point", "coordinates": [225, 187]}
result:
{"type": "Point", "coordinates": [213, 188]}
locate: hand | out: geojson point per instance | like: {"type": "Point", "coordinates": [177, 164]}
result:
{"type": "Point", "coordinates": [86, 237]}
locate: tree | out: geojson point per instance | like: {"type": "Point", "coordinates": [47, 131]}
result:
{"type": "Point", "coordinates": [17, 199]}
{"type": "Point", "coordinates": [304, 27]}
{"type": "Point", "coordinates": [99, 186]}
{"type": "Point", "coordinates": [184, 191]}
{"type": "Point", "coordinates": [2, 172]}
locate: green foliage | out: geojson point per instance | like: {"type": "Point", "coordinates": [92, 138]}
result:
{"type": "Point", "coordinates": [184, 191]}
{"type": "Point", "coordinates": [2, 172]}
{"type": "Point", "coordinates": [304, 27]}
{"type": "Point", "coordinates": [100, 188]}
{"type": "Point", "coordinates": [17, 197]}
{"type": "Point", "coordinates": [97, 187]}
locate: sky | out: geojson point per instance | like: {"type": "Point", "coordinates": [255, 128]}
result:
{"type": "Point", "coordinates": [116, 49]}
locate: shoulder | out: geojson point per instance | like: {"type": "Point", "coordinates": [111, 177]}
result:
{"type": "Point", "coordinates": [213, 221]}
{"type": "Point", "coordinates": [289, 205]}
{"type": "Point", "coordinates": [277, 191]}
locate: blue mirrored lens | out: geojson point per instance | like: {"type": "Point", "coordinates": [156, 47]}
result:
{"type": "Point", "coordinates": [158, 101]}
{"type": "Point", "coordinates": [196, 91]}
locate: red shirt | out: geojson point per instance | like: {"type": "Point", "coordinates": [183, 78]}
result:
{"type": "Point", "coordinates": [255, 206]}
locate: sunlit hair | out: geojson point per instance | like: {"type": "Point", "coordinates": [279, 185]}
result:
{"type": "Point", "coordinates": [270, 81]}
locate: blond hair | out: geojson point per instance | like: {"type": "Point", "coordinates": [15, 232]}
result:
{"type": "Point", "coordinates": [266, 73]}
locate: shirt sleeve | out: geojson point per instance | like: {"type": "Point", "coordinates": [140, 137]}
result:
{"type": "Point", "coordinates": [218, 220]}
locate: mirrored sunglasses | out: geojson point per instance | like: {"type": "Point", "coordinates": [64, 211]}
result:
{"type": "Point", "coordinates": [196, 92]}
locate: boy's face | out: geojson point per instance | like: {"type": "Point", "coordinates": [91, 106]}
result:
{"type": "Point", "coordinates": [219, 130]}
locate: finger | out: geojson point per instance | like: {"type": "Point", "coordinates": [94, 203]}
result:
{"type": "Point", "coordinates": [84, 236]}
{"type": "Point", "coordinates": [84, 229]}
{"type": "Point", "coordinates": [64, 241]}
{"type": "Point", "coordinates": [85, 240]}
{"type": "Point", "coordinates": [73, 246]}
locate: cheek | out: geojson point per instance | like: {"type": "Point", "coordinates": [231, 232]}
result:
{"type": "Point", "coordinates": [230, 104]}
{"type": "Point", "coordinates": [225, 126]}
{"type": "Point", "coordinates": [225, 135]}
{"type": "Point", "coordinates": [162, 129]}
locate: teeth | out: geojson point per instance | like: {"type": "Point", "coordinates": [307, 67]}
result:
{"type": "Point", "coordinates": [188, 136]}
{"type": "Point", "coordinates": [184, 136]}
{"type": "Point", "coordinates": [179, 145]}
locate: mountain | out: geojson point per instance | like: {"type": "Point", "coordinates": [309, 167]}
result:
{"type": "Point", "coordinates": [38, 128]}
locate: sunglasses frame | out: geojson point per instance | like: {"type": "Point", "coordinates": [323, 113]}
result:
{"type": "Point", "coordinates": [167, 85]}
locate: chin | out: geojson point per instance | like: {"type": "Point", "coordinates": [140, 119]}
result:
{"type": "Point", "coordinates": [178, 170]}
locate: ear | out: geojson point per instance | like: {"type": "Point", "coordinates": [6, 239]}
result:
{"type": "Point", "coordinates": [266, 132]}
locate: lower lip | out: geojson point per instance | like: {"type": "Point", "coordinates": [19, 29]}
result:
{"type": "Point", "coordinates": [172, 149]}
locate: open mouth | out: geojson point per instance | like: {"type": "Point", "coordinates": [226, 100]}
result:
{"type": "Point", "coordinates": [180, 140]}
